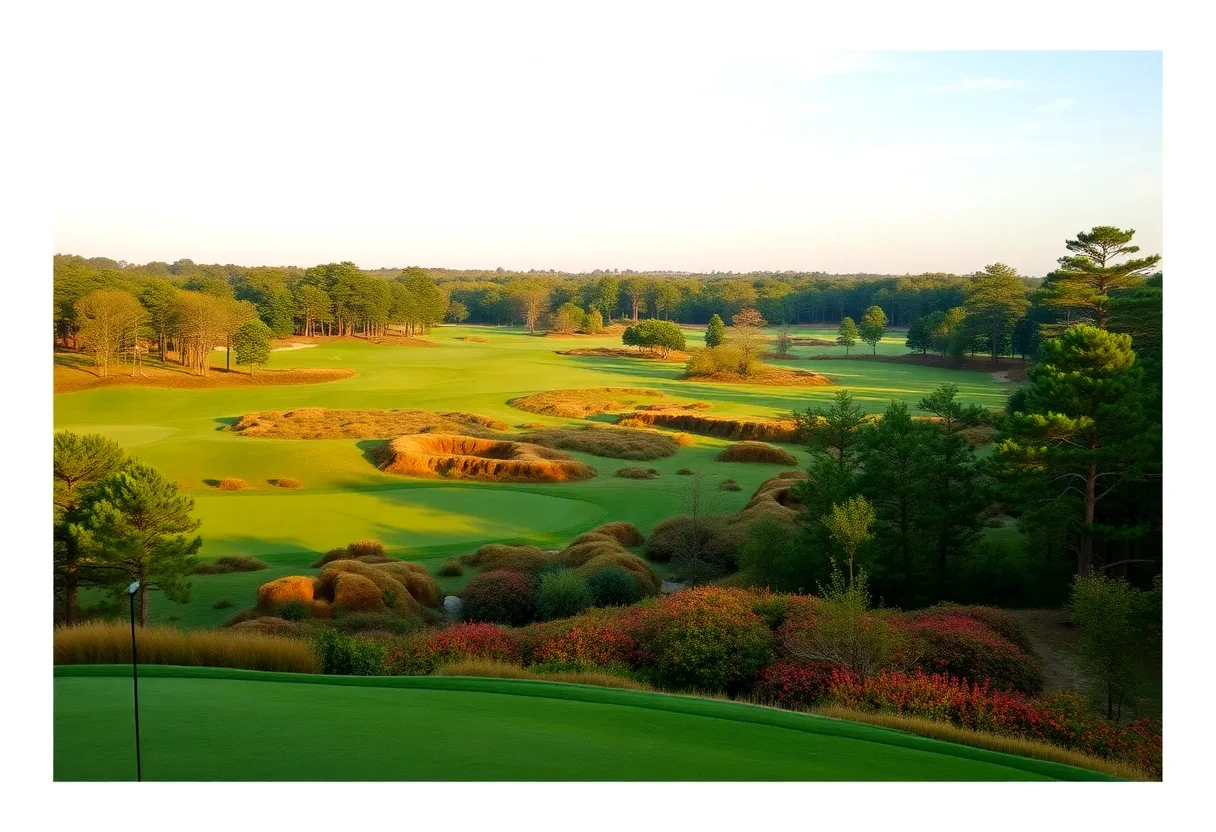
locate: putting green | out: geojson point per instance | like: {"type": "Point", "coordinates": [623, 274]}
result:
{"type": "Point", "coordinates": [216, 724]}
{"type": "Point", "coordinates": [344, 497]}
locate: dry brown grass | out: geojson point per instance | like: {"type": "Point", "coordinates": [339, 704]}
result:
{"type": "Point", "coordinates": [75, 371]}
{"type": "Point", "coordinates": [286, 482]}
{"type": "Point", "coordinates": [772, 498]}
{"type": "Point", "coordinates": [756, 452]}
{"type": "Point", "coordinates": [767, 430]}
{"type": "Point", "coordinates": [502, 670]}
{"type": "Point", "coordinates": [231, 484]}
{"type": "Point", "coordinates": [273, 626]}
{"type": "Point", "coordinates": [622, 352]}
{"type": "Point", "coordinates": [502, 556]}
{"type": "Point", "coordinates": [356, 593]}
{"type": "Point", "coordinates": [468, 457]}
{"type": "Point", "coordinates": [601, 440]}
{"type": "Point", "coordinates": [417, 581]}
{"type": "Point", "coordinates": [280, 591]}
{"type": "Point", "coordinates": [362, 548]}
{"type": "Point", "coordinates": [992, 742]}
{"type": "Point", "coordinates": [979, 435]}
{"type": "Point", "coordinates": [768, 376]}
{"type": "Point", "coordinates": [98, 643]}
{"type": "Point", "coordinates": [729, 485]}
{"type": "Point", "coordinates": [229, 564]}
{"type": "Point", "coordinates": [476, 339]}
{"type": "Point", "coordinates": [674, 406]}
{"type": "Point", "coordinates": [391, 582]}
{"type": "Point", "coordinates": [634, 473]}
{"type": "Point", "coordinates": [327, 423]}
{"type": "Point", "coordinates": [625, 533]}
{"type": "Point", "coordinates": [578, 403]}
{"type": "Point", "coordinates": [451, 568]}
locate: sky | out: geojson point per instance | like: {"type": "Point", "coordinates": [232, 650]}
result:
{"type": "Point", "coordinates": [449, 144]}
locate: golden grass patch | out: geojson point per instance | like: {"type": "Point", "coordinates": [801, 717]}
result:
{"type": "Point", "coordinates": [470, 457]}
{"type": "Point", "coordinates": [578, 403]}
{"type": "Point", "coordinates": [494, 556]}
{"type": "Point", "coordinates": [767, 430]}
{"type": "Point", "coordinates": [767, 375]}
{"type": "Point", "coordinates": [626, 534]}
{"type": "Point", "coordinates": [286, 482]}
{"type": "Point", "coordinates": [231, 484]}
{"type": "Point", "coordinates": [110, 643]}
{"type": "Point", "coordinates": [328, 423]}
{"type": "Point", "coordinates": [76, 371]}
{"type": "Point", "coordinates": [617, 442]}
{"type": "Point", "coordinates": [280, 591]}
{"type": "Point", "coordinates": [752, 451]}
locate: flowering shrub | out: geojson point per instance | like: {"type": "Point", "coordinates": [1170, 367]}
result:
{"type": "Point", "coordinates": [790, 685]}
{"type": "Point", "coordinates": [963, 646]}
{"type": "Point", "coordinates": [776, 608]}
{"type": "Point", "coordinates": [424, 652]}
{"type": "Point", "coordinates": [994, 618]}
{"type": "Point", "coordinates": [586, 641]}
{"type": "Point", "coordinates": [500, 596]}
{"type": "Point", "coordinates": [1061, 719]}
{"type": "Point", "coordinates": [706, 639]}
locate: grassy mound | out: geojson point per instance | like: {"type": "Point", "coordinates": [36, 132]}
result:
{"type": "Point", "coordinates": [575, 404]}
{"type": "Point", "coordinates": [231, 484]}
{"type": "Point", "coordinates": [229, 564]}
{"type": "Point", "coordinates": [327, 423]}
{"type": "Point", "coordinates": [501, 556]}
{"type": "Point", "coordinates": [765, 430]}
{"type": "Point", "coordinates": [635, 473]}
{"type": "Point", "coordinates": [756, 452]}
{"type": "Point", "coordinates": [767, 375]}
{"type": "Point", "coordinates": [625, 533]}
{"type": "Point", "coordinates": [286, 482]}
{"type": "Point", "coordinates": [468, 457]}
{"type": "Point", "coordinates": [607, 441]}
{"type": "Point", "coordinates": [603, 549]}
{"type": "Point", "coordinates": [350, 585]}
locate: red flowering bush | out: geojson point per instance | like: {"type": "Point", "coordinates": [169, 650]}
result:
{"type": "Point", "coordinates": [705, 639]}
{"type": "Point", "coordinates": [790, 685]}
{"type": "Point", "coordinates": [500, 596]}
{"type": "Point", "coordinates": [1061, 719]}
{"type": "Point", "coordinates": [422, 653]}
{"type": "Point", "coordinates": [959, 645]}
{"type": "Point", "coordinates": [776, 608]}
{"type": "Point", "coordinates": [585, 641]}
{"type": "Point", "coordinates": [996, 619]}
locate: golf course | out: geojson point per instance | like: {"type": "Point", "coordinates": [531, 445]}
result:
{"type": "Point", "coordinates": [344, 496]}
{"type": "Point", "coordinates": [232, 725]}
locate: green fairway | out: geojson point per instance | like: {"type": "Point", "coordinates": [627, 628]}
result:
{"type": "Point", "coordinates": [213, 724]}
{"type": "Point", "coordinates": [344, 497]}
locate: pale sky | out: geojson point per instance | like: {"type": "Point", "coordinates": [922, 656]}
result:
{"type": "Point", "coordinates": [462, 144]}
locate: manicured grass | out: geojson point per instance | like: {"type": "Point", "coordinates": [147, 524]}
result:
{"type": "Point", "coordinates": [212, 724]}
{"type": "Point", "coordinates": [344, 497]}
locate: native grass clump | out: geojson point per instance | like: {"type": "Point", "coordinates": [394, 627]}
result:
{"type": "Point", "coordinates": [229, 564]}
{"type": "Point", "coordinates": [636, 473]}
{"type": "Point", "coordinates": [724, 427]}
{"type": "Point", "coordinates": [579, 403]}
{"type": "Point", "coordinates": [756, 452]}
{"type": "Point", "coordinates": [110, 643]}
{"type": "Point", "coordinates": [607, 441]}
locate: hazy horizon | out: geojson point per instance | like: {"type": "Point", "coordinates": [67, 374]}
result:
{"type": "Point", "coordinates": [556, 158]}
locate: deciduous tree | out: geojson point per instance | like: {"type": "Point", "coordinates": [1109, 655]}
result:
{"type": "Point", "coordinates": [252, 344]}
{"type": "Point", "coordinates": [873, 326]}
{"type": "Point", "coordinates": [847, 335]}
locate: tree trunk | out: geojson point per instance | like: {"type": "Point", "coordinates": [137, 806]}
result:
{"type": "Point", "coordinates": [1085, 565]}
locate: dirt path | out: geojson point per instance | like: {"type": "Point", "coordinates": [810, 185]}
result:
{"type": "Point", "coordinates": [1055, 641]}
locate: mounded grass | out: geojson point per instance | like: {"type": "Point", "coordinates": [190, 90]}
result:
{"type": "Point", "coordinates": [110, 643]}
{"type": "Point", "coordinates": [211, 724]}
{"type": "Point", "coordinates": [327, 423]}
{"type": "Point", "coordinates": [757, 452]}
{"type": "Point", "coordinates": [635, 473]}
{"type": "Point", "coordinates": [771, 430]}
{"type": "Point", "coordinates": [286, 482]}
{"type": "Point", "coordinates": [229, 564]}
{"type": "Point", "coordinates": [576, 404]}
{"type": "Point", "coordinates": [231, 484]}
{"type": "Point", "coordinates": [468, 457]}
{"type": "Point", "coordinates": [607, 441]}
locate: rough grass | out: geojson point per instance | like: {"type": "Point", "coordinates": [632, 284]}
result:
{"type": "Point", "coordinates": [468, 457]}
{"type": "Point", "coordinates": [766, 430]}
{"type": "Point", "coordinates": [992, 742]}
{"type": "Point", "coordinates": [327, 423]}
{"type": "Point", "coordinates": [768, 375]}
{"type": "Point", "coordinates": [602, 440]}
{"type": "Point", "coordinates": [503, 670]}
{"type": "Point", "coordinates": [229, 564]}
{"type": "Point", "coordinates": [231, 484]}
{"type": "Point", "coordinates": [495, 556]}
{"type": "Point", "coordinates": [685, 472]}
{"type": "Point", "coordinates": [286, 482]}
{"type": "Point", "coordinates": [752, 451]}
{"type": "Point", "coordinates": [110, 643]}
{"type": "Point", "coordinates": [579, 403]}
{"type": "Point", "coordinates": [635, 473]}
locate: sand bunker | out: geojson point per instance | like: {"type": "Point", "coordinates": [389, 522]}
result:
{"type": "Point", "coordinates": [469, 457]}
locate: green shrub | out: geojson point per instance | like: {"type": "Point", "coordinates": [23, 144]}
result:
{"type": "Point", "coordinates": [221, 604]}
{"type": "Point", "coordinates": [381, 622]}
{"type": "Point", "coordinates": [342, 655]}
{"type": "Point", "coordinates": [561, 593]}
{"type": "Point", "coordinates": [295, 611]}
{"type": "Point", "coordinates": [451, 568]}
{"type": "Point", "coordinates": [229, 564]}
{"type": "Point", "coordinates": [500, 596]}
{"type": "Point", "coordinates": [685, 472]}
{"type": "Point", "coordinates": [613, 587]}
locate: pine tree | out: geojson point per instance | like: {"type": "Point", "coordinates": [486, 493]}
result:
{"type": "Point", "coordinates": [1081, 288]}
{"type": "Point", "coordinates": [715, 333]}
{"type": "Point", "coordinates": [996, 299]}
{"type": "Point", "coordinates": [1081, 430]}
{"type": "Point", "coordinates": [135, 527]}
